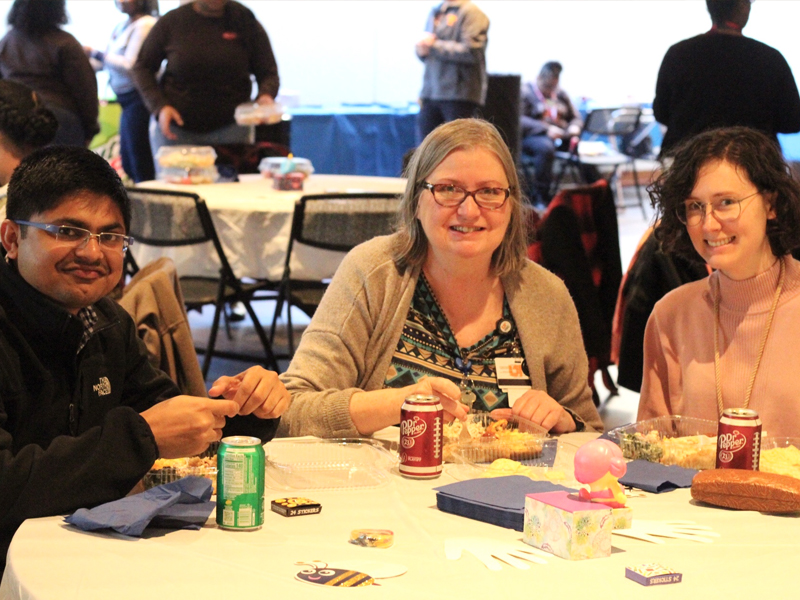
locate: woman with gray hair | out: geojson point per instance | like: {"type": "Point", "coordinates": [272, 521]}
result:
{"type": "Point", "coordinates": [441, 306]}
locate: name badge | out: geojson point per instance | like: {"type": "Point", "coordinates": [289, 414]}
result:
{"type": "Point", "coordinates": [512, 377]}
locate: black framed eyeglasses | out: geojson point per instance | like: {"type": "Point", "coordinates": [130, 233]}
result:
{"type": "Point", "coordinates": [448, 195]}
{"type": "Point", "coordinates": [692, 212]}
{"type": "Point", "coordinates": [79, 237]}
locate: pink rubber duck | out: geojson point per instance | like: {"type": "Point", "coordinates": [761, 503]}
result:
{"type": "Point", "coordinates": [599, 464]}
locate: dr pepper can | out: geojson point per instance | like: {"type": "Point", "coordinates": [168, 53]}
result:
{"type": "Point", "coordinates": [739, 439]}
{"type": "Point", "coordinates": [421, 419]}
{"type": "Point", "coordinates": [240, 483]}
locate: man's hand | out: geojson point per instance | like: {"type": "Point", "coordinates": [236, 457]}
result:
{"type": "Point", "coordinates": [256, 391]}
{"type": "Point", "coordinates": [166, 116]}
{"type": "Point", "coordinates": [538, 407]}
{"type": "Point", "coordinates": [554, 132]}
{"type": "Point", "coordinates": [186, 425]}
{"type": "Point", "coordinates": [424, 45]}
{"type": "Point", "coordinates": [265, 99]}
{"type": "Point", "coordinates": [447, 391]}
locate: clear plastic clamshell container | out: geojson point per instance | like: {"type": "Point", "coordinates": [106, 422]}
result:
{"type": "Point", "coordinates": [188, 176]}
{"type": "Point", "coordinates": [498, 445]}
{"type": "Point", "coordinates": [186, 164]}
{"type": "Point", "coordinates": [272, 166]}
{"type": "Point", "coordinates": [780, 455]}
{"type": "Point", "coordinates": [315, 464]}
{"type": "Point", "coordinates": [670, 440]}
{"type": "Point", "coordinates": [169, 470]}
{"type": "Point", "coordinates": [253, 113]}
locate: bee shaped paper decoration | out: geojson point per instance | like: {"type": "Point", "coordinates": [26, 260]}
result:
{"type": "Point", "coordinates": [323, 575]}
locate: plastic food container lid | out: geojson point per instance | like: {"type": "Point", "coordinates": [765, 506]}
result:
{"type": "Point", "coordinates": [339, 463]}
{"type": "Point", "coordinates": [651, 440]}
{"type": "Point", "coordinates": [185, 156]}
{"type": "Point", "coordinates": [253, 113]}
{"type": "Point", "coordinates": [769, 442]}
{"type": "Point", "coordinates": [272, 165]}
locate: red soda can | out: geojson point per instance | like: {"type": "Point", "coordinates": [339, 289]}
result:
{"type": "Point", "coordinates": [421, 419]}
{"type": "Point", "coordinates": [739, 439]}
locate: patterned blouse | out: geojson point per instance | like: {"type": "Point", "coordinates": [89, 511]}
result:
{"type": "Point", "coordinates": [427, 347]}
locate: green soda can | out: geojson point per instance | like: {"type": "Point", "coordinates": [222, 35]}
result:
{"type": "Point", "coordinates": [240, 483]}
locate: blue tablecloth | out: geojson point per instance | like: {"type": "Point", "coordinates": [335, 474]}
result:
{"type": "Point", "coordinates": [352, 139]}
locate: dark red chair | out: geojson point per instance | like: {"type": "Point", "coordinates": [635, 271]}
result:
{"type": "Point", "coordinates": [578, 240]}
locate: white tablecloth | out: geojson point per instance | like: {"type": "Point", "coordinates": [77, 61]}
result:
{"type": "Point", "coordinates": [755, 556]}
{"type": "Point", "coordinates": [254, 221]}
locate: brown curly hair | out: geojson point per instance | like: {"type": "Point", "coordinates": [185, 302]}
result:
{"type": "Point", "coordinates": [760, 159]}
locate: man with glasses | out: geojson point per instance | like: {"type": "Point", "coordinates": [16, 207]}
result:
{"type": "Point", "coordinates": [722, 78]}
{"type": "Point", "coordinates": [83, 414]}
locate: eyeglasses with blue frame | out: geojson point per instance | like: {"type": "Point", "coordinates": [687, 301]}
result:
{"type": "Point", "coordinates": [79, 237]}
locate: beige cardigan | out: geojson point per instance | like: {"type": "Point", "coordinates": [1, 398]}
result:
{"type": "Point", "coordinates": [349, 343]}
{"type": "Point", "coordinates": [155, 301]}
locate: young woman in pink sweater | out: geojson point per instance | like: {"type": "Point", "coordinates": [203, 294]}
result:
{"type": "Point", "coordinates": [730, 340]}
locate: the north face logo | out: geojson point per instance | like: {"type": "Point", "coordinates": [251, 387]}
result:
{"type": "Point", "coordinates": [103, 387]}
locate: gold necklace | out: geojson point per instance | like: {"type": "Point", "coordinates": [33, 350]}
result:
{"type": "Point", "coordinates": [717, 376]}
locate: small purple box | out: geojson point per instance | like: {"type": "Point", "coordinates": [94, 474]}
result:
{"type": "Point", "coordinates": [652, 574]}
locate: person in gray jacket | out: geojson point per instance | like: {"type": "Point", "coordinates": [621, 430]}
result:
{"type": "Point", "coordinates": [444, 306]}
{"type": "Point", "coordinates": [454, 52]}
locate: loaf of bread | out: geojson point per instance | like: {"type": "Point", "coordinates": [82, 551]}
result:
{"type": "Point", "coordinates": [747, 490]}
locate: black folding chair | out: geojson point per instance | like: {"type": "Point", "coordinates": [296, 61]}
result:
{"type": "Point", "coordinates": [337, 222]}
{"type": "Point", "coordinates": [167, 218]}
{"type": "Point", "coordinates": [617, 125]}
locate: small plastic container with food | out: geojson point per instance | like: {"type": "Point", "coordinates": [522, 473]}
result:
{"type": "Point", "coordinates": [167, 470]}
{"type": "Point", "coordinates": [780, 455]}
{"type": "Point", "coordinates": [186, 164]}
{"type": "Point", "coordinates": [288, 182]}
{"type": "Point", "coordinates": [253, 113]}
{"type": "Point", "coordinates": [487, 445]}
{"type": "Point", "coordinates": [670, 440]}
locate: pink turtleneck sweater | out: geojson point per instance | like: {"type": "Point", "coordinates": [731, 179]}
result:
{"type": "Point", "coordinates": [679, 350]}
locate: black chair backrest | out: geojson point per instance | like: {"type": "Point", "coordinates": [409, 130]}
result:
{"type": "Point", "coordinates": [168, 218]}
{"type": "Point", "coordinates": [612, 121]}
{"type": "Point", "coordinates": [341, 222]}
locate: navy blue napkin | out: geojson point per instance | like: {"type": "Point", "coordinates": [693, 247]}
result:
{"type": "Point", "coordinates": [182, 504]}
{"type": "Point", "coordinates": [655, 477]}
{"type": "Point", "coordinates": [497, 500]}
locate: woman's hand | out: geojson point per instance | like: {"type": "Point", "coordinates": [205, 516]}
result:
{"type": "Point", "coordinates": [166, 116]}
{"type": "Point", "coordinates": [447, 391]}
{"type": "Point", "coordinates": [536, 406]}
{"type": "Point", "coordinates": [377, 409]}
